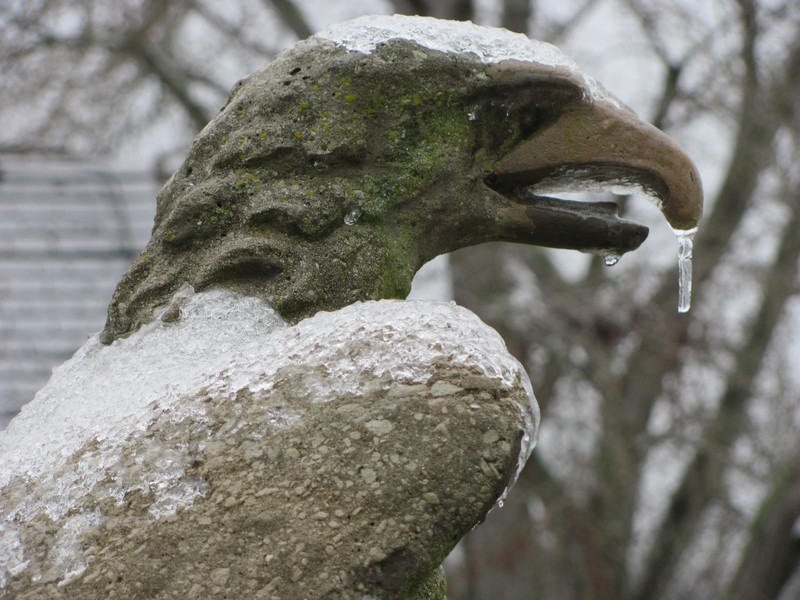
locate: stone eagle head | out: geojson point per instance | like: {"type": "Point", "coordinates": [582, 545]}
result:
{"type": "Point", "coordinates": [333, 174]}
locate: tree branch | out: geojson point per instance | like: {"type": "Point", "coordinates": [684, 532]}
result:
{"type": "Point", "coordinates": [773, 551]}
{"type": "Point", "coordinates": [291, 17]}
{"type": "Point", "coordinates": [411, 7]}
{"type": "Point", "coordinates": [516, 14]}
{"type": "Point", "coordinates": [559, 29]}
{"type": "Point", "coordinates": [232, 31]}
{"type": "Point", "coordinates": [661, 340]}
{"type": "Point", "coordinates": [704, 477]}
{"type": "Point", "coordinates": [169, 74]}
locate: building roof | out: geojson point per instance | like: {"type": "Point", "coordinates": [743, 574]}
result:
{"type": "Point", "coordinates": [68, 231]}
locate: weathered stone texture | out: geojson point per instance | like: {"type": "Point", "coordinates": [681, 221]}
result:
{"type": "Point", "coordinates": [288, 488]}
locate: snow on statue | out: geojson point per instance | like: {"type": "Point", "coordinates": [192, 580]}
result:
{"type": "Point", "coordinates": [217, 439]}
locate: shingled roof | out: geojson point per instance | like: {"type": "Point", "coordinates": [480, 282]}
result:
{"type": "Point", "coordinates": [68, 231]}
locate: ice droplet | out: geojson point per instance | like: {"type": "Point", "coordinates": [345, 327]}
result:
{"type": "Point", "coordinates": [685, 247]}
{"type": "Point", "coordinates": [472, 116]}
{"type": "Point", "coordinates": [610, 259]}
{"type": "Point", "coordinates": [351, 217]}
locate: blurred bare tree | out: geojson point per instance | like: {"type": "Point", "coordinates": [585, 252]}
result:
{"type": "Point", "coordinates": [80, 75]}
{"type": "Point", "coordinates": [668, 464]}
{"type": "Point", "coordinates": [668, 459]}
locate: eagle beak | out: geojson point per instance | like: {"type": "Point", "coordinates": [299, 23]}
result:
{"type": "Point", "coordinates": [595, 145]}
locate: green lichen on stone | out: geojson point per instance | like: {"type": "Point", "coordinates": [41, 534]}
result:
{"type": "Point", "coordinates": [433, 588]}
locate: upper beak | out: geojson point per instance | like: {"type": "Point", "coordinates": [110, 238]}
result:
{"type": "Point", "coordinates": [597, 144]}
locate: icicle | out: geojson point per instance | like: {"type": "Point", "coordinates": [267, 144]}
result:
{"type": "Point", "coordinates": [610, 259]}
{"type": "Point", "coordinates": [685, 246]}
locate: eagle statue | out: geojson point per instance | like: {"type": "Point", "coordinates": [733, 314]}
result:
{"type": "Point", "coordinates": [333, 174]}
{"type": "Point", "coordinates": [262, 415]}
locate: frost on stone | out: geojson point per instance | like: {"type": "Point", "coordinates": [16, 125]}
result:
{"type": "Point", "coordinates": [105, 392]}
{"type": "Point", "coordinates": [97, 430]}
{"type": "Point", "coordinates": [487, 44]}
{"type": "Point", "coordinates": [67, 554]}
{"type": "Point", "coordinates": [531, 418]}
{"type": "Point", "coordinates": [173, 489]}
{"type": "Point", "coordinates": [67, 442]}
{"type": "Point", "coordinates": [12, 556]}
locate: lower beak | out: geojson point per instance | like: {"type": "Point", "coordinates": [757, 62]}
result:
{"type": "Point", "coordinates": [555, 223]}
